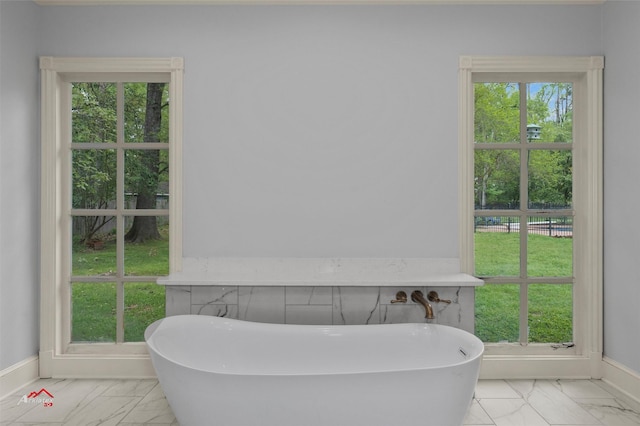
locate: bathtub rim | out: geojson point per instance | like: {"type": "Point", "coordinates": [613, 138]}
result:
{"type": "Point", "coordinates": [468, 360]}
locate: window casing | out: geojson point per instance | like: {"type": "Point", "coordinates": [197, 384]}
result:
{"type": "Point", "coordinates": [59, 356]}
{"type": "Point", "coordinates": [585, 74]}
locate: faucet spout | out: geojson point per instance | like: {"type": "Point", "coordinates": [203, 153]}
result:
{"type": "Point", "coordinates": [418, 297]}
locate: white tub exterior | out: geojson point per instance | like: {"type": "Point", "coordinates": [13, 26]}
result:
{"type": "Point", "coordinates": [226, 372]}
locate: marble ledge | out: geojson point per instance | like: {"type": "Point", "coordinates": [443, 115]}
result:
{"type": "Point", "coordinates": [319, 272]}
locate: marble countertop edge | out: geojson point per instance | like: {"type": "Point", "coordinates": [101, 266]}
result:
{"type": "Point", "coordinates": [456, 280]}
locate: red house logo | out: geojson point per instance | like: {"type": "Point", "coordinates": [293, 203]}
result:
{"type": "Point", "coordinates": [40, 392]}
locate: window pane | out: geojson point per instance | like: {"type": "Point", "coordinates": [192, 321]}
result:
{"type": "Point", "coordinates": [550, 313]}
{"type": "Point", "coordinates": [93, 178]}
{"type": "Point", "coordinates": [497, 179]}
{"type": "Point", "coordinates": [94, 245]}
{"type": "Point", "coordinates": [497, 312]}
{"type": "Point", "coordinates": [550, 112]}
{"type": "Point", "coordinates": [146, 178]}
{"type": "Point", "coordinates": [550, 179]}
{"type": "Point", "coordinates": [497, 246]}
{"type": "Point", "coordinates": [93, 112]}
{"type": "Point", "coordinates": [550, 246]}
{"type": "Point", "coordinates": [143, 304]}
{"type": "Point", "coordinates": [146, 112]}
{"type": "Point", "coordinates": [497, 112]}
{"type": "Point", "coordinates": [146, 250]}
{"type": "Point", "coordinates": [93, 312]}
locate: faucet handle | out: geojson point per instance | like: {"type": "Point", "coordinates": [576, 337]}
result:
{"type": "Point", "coordinates": [401, 297]}
{"type": "Point", "coordinates": [433, 297]}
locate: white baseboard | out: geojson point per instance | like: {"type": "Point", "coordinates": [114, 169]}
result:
{"type": "Point", "coordinates": [623, 379]}
{"type": "Point", "coordinates": [102, 367]}
{"type": "Point", "coordinates": [535, 367]}
{"type": "Point", "coordinates": [18, 375]}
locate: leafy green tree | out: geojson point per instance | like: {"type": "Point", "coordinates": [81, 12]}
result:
{"type": "Point", "coordinates": [94, 120]}
{"type": "Point", "coordinates": [497, 178]}
{"type": "Point", "coordinates": [497, 112]}
{"type": "Point", "coordinates": [93, 110]}
{"type": "Point", "coordinates": [497, 120]}
{"type": "Point", "coordinates": [551, 171]}
{"type": "Point", "coordinates": [147, 163]}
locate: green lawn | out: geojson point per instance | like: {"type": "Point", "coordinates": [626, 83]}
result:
{"type": "Point", "coordinates": [550, 307]}
{"type": "Point", "coordinates": [497, 306]}
{"type": "Point", "coordinates": [94, 304]}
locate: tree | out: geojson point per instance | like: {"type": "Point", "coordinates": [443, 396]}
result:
{"type": "Point", "coordinates": [94, 170]}
{"type": "Point", "coordinates": [93, 109]}
{"type": "Point", "coordinates": [145, 228]}
{"type": "Point", "coordinates": [551, 172]}
{"type": "Point", "coordinates": [497, 109]}
{"type": "Point", "coordinates": [497, 120]}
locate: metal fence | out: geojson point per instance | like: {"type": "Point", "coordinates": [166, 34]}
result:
{"type": "Point", "coordinates": [549, 226]}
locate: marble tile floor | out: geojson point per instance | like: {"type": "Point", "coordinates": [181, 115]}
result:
{"type": "Point", "coordinates": [141, 402]}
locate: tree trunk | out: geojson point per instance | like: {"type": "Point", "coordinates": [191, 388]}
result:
{"type": "Point", "coordinates": [145, 228]}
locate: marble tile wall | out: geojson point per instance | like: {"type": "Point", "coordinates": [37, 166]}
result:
{"type": "Point", "coordinates": [321, 305]}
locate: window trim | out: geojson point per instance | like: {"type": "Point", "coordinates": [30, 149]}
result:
{"type": "Point", "coordinates": [107, 360]}
{"type": "Point", "coordinates": [513, 361]}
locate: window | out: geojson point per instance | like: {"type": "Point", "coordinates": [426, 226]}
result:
{"type": "Point", "coordinates": [530, 157]}
{"type": "Point", "coordinates": [111, 139]}
{"type": "Point", "coordinates": [523, 211]}
{"type": "Point", "coordinates": [119, 163]}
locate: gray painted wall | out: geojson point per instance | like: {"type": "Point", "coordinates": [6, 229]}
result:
{"type": "Point", "coordinates": [19, 182]}
{"type": "Point", "coordinates": [622, 174]}
{"type": "Point", "coordinates": [309, 131]}
{"type": "Point", "coordinates": [320, 131]}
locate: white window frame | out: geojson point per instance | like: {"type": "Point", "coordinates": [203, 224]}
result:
{"type": "Point", "coordinates": [536, 361]}
{"type": "Point", "coordinates": [93, 360]}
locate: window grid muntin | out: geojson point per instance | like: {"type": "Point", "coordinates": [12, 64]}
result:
{"type": "Point", "coordinates": [523, 212]}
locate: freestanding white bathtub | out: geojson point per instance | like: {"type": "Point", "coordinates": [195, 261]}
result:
{"type": "Point", "coordinates": [219, 371]}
